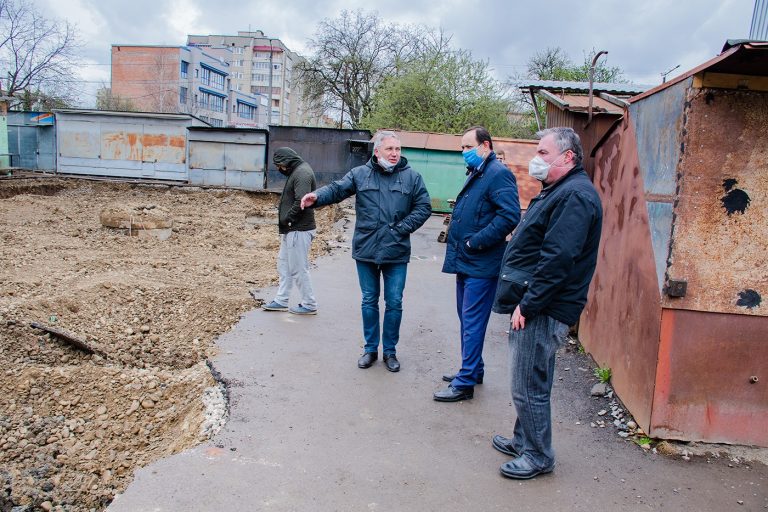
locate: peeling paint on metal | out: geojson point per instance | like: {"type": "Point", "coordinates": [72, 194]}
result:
{"type": "Point", "coordinates": [624, 297]}
{"type": "Point", "coordinates": [720, 241]}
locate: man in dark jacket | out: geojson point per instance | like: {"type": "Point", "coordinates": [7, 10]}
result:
{"type": "Point", "coordinates": [297, 229]}
{"type": "Point", "coordinates": [487, 209]}
{"type": "Point", "coordinates": [391, 202]}
{"type": "Point", "coordinates": [544, 280]}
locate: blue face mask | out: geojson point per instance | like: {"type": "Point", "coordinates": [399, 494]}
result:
{"type": "Point", "coordinates": [472, 158]}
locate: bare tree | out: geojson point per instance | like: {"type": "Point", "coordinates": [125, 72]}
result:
{"type": "Point", "coordinates": [36, 54]}
{"type": "Point", "coordinates": [163, 91]}
{"type": "Point", "coordinates": [105, 100]}
{"type": "Point", "coordinates": [352, 56]}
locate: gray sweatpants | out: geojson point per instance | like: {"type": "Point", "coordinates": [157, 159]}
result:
{"type": "Point", "coordinates": [293, 267]}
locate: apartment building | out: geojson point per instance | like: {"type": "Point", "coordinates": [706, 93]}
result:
{"type": "Point", "coordinates": [259, 65]}
{"type": "Point", "coordinates": [184, 79]}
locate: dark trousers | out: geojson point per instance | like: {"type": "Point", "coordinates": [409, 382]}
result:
{"type": "Point", "coordinates": [474, 298]}
{"type": "Point", "coordinates": [532, 365]}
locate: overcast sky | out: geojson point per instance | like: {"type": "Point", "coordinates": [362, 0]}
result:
{"type": "Point", "coordinates": [643, 38]}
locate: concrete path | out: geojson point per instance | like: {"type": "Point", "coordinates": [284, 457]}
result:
{"type": "Point", "coordinates": [309, 431]}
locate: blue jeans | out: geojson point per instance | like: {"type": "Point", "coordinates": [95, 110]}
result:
{"type": "Point", "coordinates": [474, 298]}
{"type": "Point", "coordinates": [369, 275]}
{"type": "Point", "coordinates": [532, 365]}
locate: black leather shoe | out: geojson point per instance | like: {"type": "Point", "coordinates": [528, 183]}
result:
{"type": "Point", "coordinates": [521, 469]}
{"type": "Point", "coordinates": [448, 377]}
{"type": "Point", "coordinates": [367, 360]}
{"type": "Point", "coordinates": [505, 445]}
{"type": "Point", "coordinates": [451, 394]}
{"type": "Point", "coordinates": [391, 363]}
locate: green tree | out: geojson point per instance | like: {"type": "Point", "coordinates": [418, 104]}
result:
{"type": "Point", "coordinates": [555, 64]}
{"type": "Point", "coordinates": [443, 92]}
{"type": "Point", "coordinates": [352, 56]}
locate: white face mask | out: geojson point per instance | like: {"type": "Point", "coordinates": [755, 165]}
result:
{"type": "Point", "coordinates": [538, 168]}
{"type": "Point", "coordinates": [386, 164]}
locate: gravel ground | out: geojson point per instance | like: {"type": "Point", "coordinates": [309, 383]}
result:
{"type": "Point", "coordinates": [74, 426]}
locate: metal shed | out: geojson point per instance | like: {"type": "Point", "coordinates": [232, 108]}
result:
{"type": "Point", "coordinates": [437, 157]}
{"type": "Point", "coordinates": [331, 152]}
{"type": "Point", "coordinates": [228, 157]}
{"type": "Point", "coordinates": [32, 140]}
{"type": "Point", "coordinates": [677, 307]}
{"type": "Point", "coordinates": [123, 144]}
{"type": "Point", "coordinates": [568, 104]}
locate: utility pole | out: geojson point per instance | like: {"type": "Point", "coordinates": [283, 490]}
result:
{"type": "Point", "coordinates": [592, 82]}
{"type": "Point", "coordinates": [270, 82]}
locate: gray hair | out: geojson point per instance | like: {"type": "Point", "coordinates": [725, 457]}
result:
{"type": "Point", "coordinates": [566, 140]}
{"type": "Point", "coordinates": [381, 135]}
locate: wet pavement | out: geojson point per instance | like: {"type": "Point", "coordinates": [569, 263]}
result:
{"type": "Point", "coordinates": [309, 431]}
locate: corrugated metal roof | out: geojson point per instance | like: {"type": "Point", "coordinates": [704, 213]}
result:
{"type": "Point", "coordinates": [156, 115]}
{"type": "Point", "coordinates": [569, 86]}
{"type": "Point", "coordinates": [580, 103]}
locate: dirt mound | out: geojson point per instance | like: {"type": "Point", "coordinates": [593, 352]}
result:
{"type": "Point", "coordinates": [73, 425]}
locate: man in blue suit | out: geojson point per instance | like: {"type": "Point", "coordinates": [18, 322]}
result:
{"type": "Point", "coordinates": [487, 210]}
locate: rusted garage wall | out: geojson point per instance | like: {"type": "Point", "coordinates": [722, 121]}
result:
{"type": "Point", "coordinates": [658, 123]}
{"type": "Point", "coordinates": [720, 239]}
{"type": "Point", "coordinates": [126, 145]}
{"type": "Point", "coordinates": [620, 325]}
{"type": "Point", "coordinates": [705, 389]}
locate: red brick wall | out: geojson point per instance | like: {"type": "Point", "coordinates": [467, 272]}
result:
{"type": "Point", "coordinates": [147, 76]}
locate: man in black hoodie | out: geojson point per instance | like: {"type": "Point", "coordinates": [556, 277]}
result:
{"type": "Point", "coordinates": [297, 229]}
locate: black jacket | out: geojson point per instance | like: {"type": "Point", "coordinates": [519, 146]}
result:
{"type": "Point", "coordinates": [390, 204]}
{"type": "Point", "coordinates": [550, 260]}
{"type": "Point", "coordinates": [301, 180]}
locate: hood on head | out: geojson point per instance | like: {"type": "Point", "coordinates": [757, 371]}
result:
{"type": "Point", "coordinates": [287, 157]}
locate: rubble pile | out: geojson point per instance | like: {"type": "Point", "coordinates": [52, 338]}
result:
{"type": "Point", "coordinates": [125, 381]}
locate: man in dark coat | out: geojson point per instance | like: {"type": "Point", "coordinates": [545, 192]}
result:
{"type": "Point", "coordinates": [391, 202]}
{"type": "Point", "coordinates": [487, 209]}
{"type": "Point", "coordinates": [544, 280]}
{"type": "Point", "coordinates": [297, 229]}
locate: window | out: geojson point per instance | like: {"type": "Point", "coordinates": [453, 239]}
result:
{"type": "Point", "coordinates": [246, 111]}
{"type": "Point", "coordinates": [264, 90]}
{"type": "Point", "coordinates": [238, 51]}
{"type": "Point", "coordinates": [261, 55]}
{"type": "Point", "coordinates": [259, 77]}
{"type": "Point", "coordinates": [217, 81]}
{"type": "Point", "coordinates": [196, 72]}
{"type": "Point", "coordinates": [183, 95]}
{"type": "Point", "coordinates": [184, 69]}
{"type": "Point", "coordinates": [211, 102]}
{"type": "Point", "coordinates": [261, 65]}
{"type": "Point", "coordinates": [218, 123]}
{"type": "Point", "coordinates": [212, 78]}
{"type": "Point", "coordinates": [237, 63]}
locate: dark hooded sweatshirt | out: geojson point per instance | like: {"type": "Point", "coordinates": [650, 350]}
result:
{"type": "Point", "coordinates": [301, 181]}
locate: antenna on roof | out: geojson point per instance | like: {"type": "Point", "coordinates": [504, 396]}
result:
{"type": "Point", "coordinates": [665, 73]}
